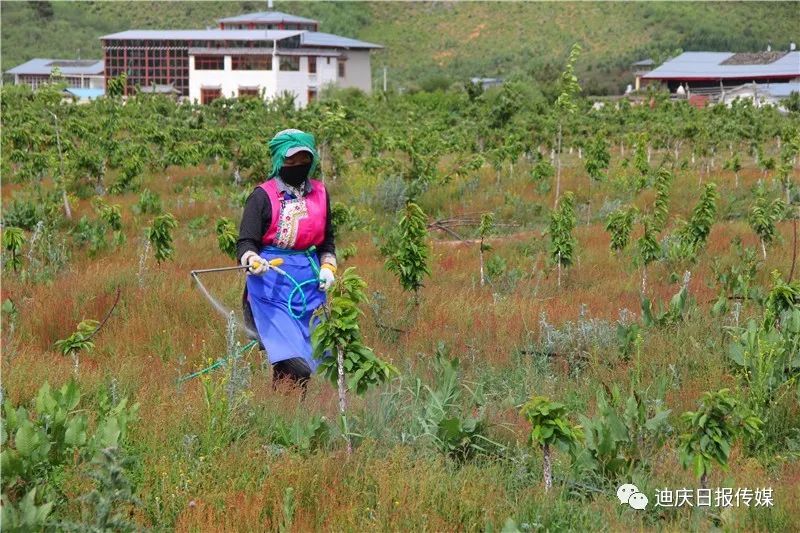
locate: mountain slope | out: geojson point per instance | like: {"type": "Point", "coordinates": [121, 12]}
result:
{"type": "Point", "coordinates": [439, 42]}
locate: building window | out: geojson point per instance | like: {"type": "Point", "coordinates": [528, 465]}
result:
{"type": "Point", "coordinates": [341, 69]}
{"type": "Point", "coordinates": [33, 80]}
{"type": "Point", "coordinates": [209, 95]}
{"type": "Point", "coordinates": [290, 63]}
{"type": "Point", "coordinates": [327, 60]}
{"type": "Point", "coordinates": [251, 62]}
{"type": "Point", "coordinates": [312, 64]}
{"type": "Point", "coordinates": [249, 92]}
{"type": "Point", "coordinates": [209, 63]}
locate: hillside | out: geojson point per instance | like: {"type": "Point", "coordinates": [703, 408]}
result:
{"type": "Point", "coordinates": [431, 44]}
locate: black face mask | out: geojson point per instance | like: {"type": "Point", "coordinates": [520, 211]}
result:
{"type": "Point", "coordinates": [296, 175]}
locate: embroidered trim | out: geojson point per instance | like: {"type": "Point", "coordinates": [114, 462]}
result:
{"type": "Point", "coordinates": [292, 211]}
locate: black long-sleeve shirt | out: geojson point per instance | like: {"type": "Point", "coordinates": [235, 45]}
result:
{"type": "Point", "coordinates": [257, 218]}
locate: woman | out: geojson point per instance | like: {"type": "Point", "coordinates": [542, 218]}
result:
{"type": "Point", "coordinates": [288, 217]}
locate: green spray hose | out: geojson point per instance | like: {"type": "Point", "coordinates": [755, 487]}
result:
{"type": "Point", "coordinates": [299, 286]}
{"type": "Point", "coordinates": [218, 363]}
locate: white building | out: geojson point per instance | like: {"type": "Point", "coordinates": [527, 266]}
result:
{"type": "Point", "coordinates": [78, 73]}
{"type": "Point", "coordinates": [761, 93]}
{"type": "Point", "coordinates": [261, 54]}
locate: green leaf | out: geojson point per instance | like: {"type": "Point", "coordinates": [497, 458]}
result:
{"type": "Point", "coordinates": [27, 439]}
{"type": "Point", "coordinates": [75, 435]}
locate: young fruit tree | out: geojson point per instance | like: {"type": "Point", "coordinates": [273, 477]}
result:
{"type": "Point", "coordinates": [484, 230]}
{"type": "Point", "coordinates": [13, 239]}
{"type": "Point", "coordinates": [338, 343]}
{"type": "Point", "coordinates": [159, 234]}
{"type": "Point", "coordinates": [566, 106]}
{"type": "Point", "coordinates": [662, 185]}
{"type": "Point", "coordinates": [734, 164]}
{"type": "Point", "coordinates": [695, 233]}
{"type": "Point", "coordinates": [550, 427]}
{"type": "Point", "coordinates": [647, 248]}
{"type": "Point", "coordinates": [619, 224]}
{"type": "Point", "coordinates": [712, 430]}
{"type": "Point", "coordinates": [562, 242]}
{"type": "Point", "coordinates": [598, 158]}
{"type": "Point", "coordinates": [408, 251]}
{"type": "Point", "coordinates": [763, 216]}
{"type": "Point", "coordinates": [79, 341]}
{"type": "Point", "coordinates": [226, 236]}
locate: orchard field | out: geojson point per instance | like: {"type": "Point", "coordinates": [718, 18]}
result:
{"type": "Point", "coordinates": [611, 297]}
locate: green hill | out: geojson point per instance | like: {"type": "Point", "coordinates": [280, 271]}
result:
{"type": "Point", "coordinates": [435, 43]}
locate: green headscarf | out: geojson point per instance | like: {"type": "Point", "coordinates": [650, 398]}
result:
{"type": "Point", "coordinates": [291, 138]}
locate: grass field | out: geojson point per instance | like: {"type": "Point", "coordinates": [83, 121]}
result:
{"type": "Point", "coordinates": [198, 472]}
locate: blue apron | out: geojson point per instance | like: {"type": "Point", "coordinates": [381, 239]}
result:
{"type": "Point", "coordinates": [283, 306]}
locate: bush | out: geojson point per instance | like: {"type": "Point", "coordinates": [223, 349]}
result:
{"type": "Point", "coordinates": [36, 445]}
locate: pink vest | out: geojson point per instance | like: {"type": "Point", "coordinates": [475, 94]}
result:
{"type": "Point", "coordinates": [302, 223]}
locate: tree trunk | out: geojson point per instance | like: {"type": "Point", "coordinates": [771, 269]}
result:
{"type": "Point", "coordinates": [737, 179]}
{"type": "Point", "coordinates": [483, 279]}
{"type": "Point", "coordinates": [763, 249]}
{"type": "Point", "coordinates": [67, 210]}
{"type": "Point", "coordinates": [547, 468]}
{"type": "Point", "coordinates": [64, 197]}
{"type": "Point", "coordinates": [704, 481]}
{"type": "Point", "coordinates": [558, 168]}
{"type": "Point", "coordinates": [644, 279]}
{"type": "Point", "coordinates": [100, 186]}
{"type": "Point", "coordinates": [559, 270]}
{"type": "Point", "coordinates": [343, 398]}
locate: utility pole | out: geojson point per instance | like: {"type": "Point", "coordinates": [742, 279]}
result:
{"type": "Point", "coordinates": [384, 79]}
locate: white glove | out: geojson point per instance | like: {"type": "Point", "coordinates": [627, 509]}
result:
{"type": "Point", "coordinates": [256, 264]}
{"type": "Point", "coordinates": [326, 276]}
